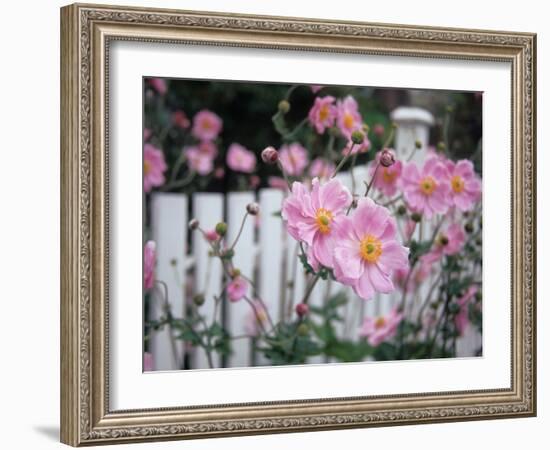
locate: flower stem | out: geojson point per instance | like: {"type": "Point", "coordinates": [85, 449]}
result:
{"type": "Point", "coordinates": [367, 190]}
{"type": "Point", "coordinates": [232, 246]}
{"type": "Point", "coordinates": [343, 161]}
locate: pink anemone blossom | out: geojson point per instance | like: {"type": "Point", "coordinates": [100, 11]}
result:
{"type": "Point", "coordinates": [465, 185]}
{"type": "Point", "coordinates": [366, 251]}
{"type": "Point", "coordinates": [382, 328]}
{"type": "Point", "coordinates": [461, 319]}
{"type": "Point", "coordinates": [240, 159]}
{"type": "Point", "coordinates": [206, 125]}
{"type": "Point", "coordinates": [388, 179]}
{"type": "Point", "coordinates": [426, 191]}
{"type": "Point", "coordinates": [154, 167]}
{"type": "Point", "coordinates": [315, 216]}
{"type": "Point", "coordinates": [321, 168]}
{"type": "Point", "coordinates": [294, 159]}
{"type": "Point", "coordinates": [348, 118]}
{"type": "Point", "coordinates": [149, 259]}
{"type": "Point", "coordinates": [323, 113]}
{"type": "Point", "coordinates": [237, 289]}
{"type": "Point", "coordinates": [448, 242]}
{"type": "Point", "coordinates": [200, 158]}
{"type": "Point", "coordinates": [315, 88]}
{"type": "Point", "coordinates": [179, 118]}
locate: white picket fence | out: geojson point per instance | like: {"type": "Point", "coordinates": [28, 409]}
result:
{"type": "Point", "coordinates": [265, 253]}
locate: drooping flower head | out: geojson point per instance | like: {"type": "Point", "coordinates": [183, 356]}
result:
{"type": "Point", "coordinates": [237, 289]}
{"type": "Point", "coordinates": [314, 216]}
{"type": "Point", "coordinates": [321, 168]}
{"type": "Point", "coordinates": [382, 328]}
{"type": "Point", "coordinates": [323, 113]}
{"type": "Point", "coordinates": [240, 159]}
{"type": "Point", "coordinates": [149, 259]}
{"type": "Point", "coordinates": [465, 185]}
{"type": "Point", "coordinates": [426, 191]}
{"type": "Point", "coordinates": [388, 179]}
{"type": "Point", "coordinates": [200, 157]}
{"type": "Point", "coordinates": [294, 159]}
{"type": "Point", "coordinates": [348, 117]}
{"type": "Point", "coordinates": [447, 242]}
{"type": "Point", "coordinates": [206, 125]}
{"type": "Point", "coordinates": [154, 167]}
{"type": "Point", "coordinates": [461, 319]}
{"type": "Point", "coordinates": [366, 251]}
{"type": "Point", "coordinates": [256, 318]}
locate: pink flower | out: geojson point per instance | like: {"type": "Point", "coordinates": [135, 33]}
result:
{"type": "Point", "coordinates": [211, 235]}
{"type": "Point", "coordinates": [388, 179]}
{"type": "Point", "coordinates": [237, 289]}
{"type": "Point", "coordinates": [465, 185]}
{"type": "Point", "coordinates": [382, 328]}
{"type": "Point", "coordinates": [147, 134]}
{"type": "Point", "coordinates": [200, 158]}
{"type": "Point", "coordinates": [256, 318]}
{"type": "Point", "coordinates": [294, 159]}
{"type": "Point", "coordinates": [321, 168]}
{"type": "Point", "coordinates": [315, 88]}
{"type": "Point", "coordinates": [426, 191]}
{"type": "Point", "coordinates": [322, 114]}
{"type": "Point", "coordinates": [159, 85]}
{"type": "Point", "coordinates": [179, 118]}
{"type": "Point", "coordinates": [206, 125]}
{"type": "Point", "coordinates": [240, 159]}
{"type": "Point", "coordinates": [149, 259]}
{"type": "Point", "coordinates": [378, 129]}
{"type": "Point", "coordinates": [148, 362]}
{"type": "Point", "coordinates": [356, 148]}
{"type": "Point", "coordinates": [314, 217]}
{"type": "Point", "coordinates": [154, 167]}
{"type": "Point", "coordinates": [348, 117]}
{"type": "Point", "coordinates": [366, 251]}
{"type": "Point", "coordinates": [277, 183]}
{"type": "Point", "coordinates": [449, 242]}
{"type": "Point", "coordinates": [461, 319]}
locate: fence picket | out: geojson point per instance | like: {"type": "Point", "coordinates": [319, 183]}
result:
{"type": "Point", "coordinates": [169, 226]}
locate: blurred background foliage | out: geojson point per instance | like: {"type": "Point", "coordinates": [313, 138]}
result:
{"type": "Point", "coordinates": [247, 108]}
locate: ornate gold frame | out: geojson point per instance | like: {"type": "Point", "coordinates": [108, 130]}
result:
{"type": "Point", "coordinates": [86, 31]}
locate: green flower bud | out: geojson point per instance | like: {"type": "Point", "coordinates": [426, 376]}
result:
{"type": "Point", "coordinates": [441, 146]}
{"type": "Point", "coordinates": [469, 227]}
{"type": "Point", "coordinates": [198, 299]}
{"type": "Point", "coordinates": [227, 253]}
{"type": "Point", "coordinates": [416, 217]}
{"type": "Point", "coordinates": [303, 329]}
{"type": "Point", "coordinates": [284, 106]}
{"type": "Point", "coordinates": [357, 137]}
{"type": "Point", "coordinates": [401, 210]}
{"type": "Point", "coordinates": [449, 108]}
{"type": "Point", "coordinates": [418, 143]}
{"type": "Point", "coordinates": [221, 228]}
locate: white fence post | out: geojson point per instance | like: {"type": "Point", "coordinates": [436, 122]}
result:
{"type": "Point", "coordinates": [413, 124]}
{"type": "Point", "coordinates": [245, 252]}
{"type": "Point", "coordinates": [208, 210]}
{"type": "Point", "coordinates": [169, 225]}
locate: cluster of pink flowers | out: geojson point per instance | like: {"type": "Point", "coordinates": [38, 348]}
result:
{"type": "Point", "coordinates": [361, 248]}
{"type": "Point", "coordinates": [240, 159]}
{"type": "Point", "coordinates": [206, 128]}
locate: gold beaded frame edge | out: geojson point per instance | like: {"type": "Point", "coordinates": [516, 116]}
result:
{"type": "Point", "coordinates": [86, 31]}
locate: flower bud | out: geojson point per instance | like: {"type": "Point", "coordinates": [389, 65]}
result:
{"type": "Point", "coordinates": [416, 217]}
{"type": "Point", "coordinates": [387, 157]}
{"type": "Point", "coordinates": [418, 143]}
{"type": "Point", "coordinates": [441, 146]}
{"type": "Point", "coordinates": [193, 224]}
{"type": "Point", "coordinates": [357, 137]}
{"type": "Point", "coordinates": [394, 125]}
{"type": "Point", "coordinates": [354, 203]}
{"type": "Point", "coordinates": [469, 227]}
{"type": "Point", "coordinates": [449, 108]}
{"type": "Point", "coordinates": [253, 209]}
{"type": "Point", "coordinates": [365, 128]}
{"type": "Point", "coordinates": [401, 210]}
{"type": "Point", "coordinates": [235, 273]}
{"type": "Point", "coordinates": [227, 253]}
{"type": "Point", "coordinates": [303, 329]}
{"type": "Point", "coordinates": [443, 240]}
{"type": "Point", "coordinates": [284, 106]}
{"type": "Point", "coordinates": [221, 228]}
{"type": "Point", "coordinates": [270, 155]}
{"type": "Point", "coordinates": [173, 262]}
{"type": "Point", "coordinates": [198, 299]}
{"type": "Point", "coordinates": [302, 309]}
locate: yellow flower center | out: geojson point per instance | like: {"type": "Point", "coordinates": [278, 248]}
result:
{"type": "Point", "coordinates": [146, 167]}
{"type": "Point", "coordinates": [428, 185]}
{"type": "Point", "coordinates": [323, 218]}
{"type": "Point", "coordinates": [348, 120]}
{"type": "Point", "coordinates": [323, 113]}
{"type": "Point", "coordinates": [206, 125]}
{"type": "Point", "coordinates": [370, 248]}
{"type": "Point", "coordinates": [389, 176]}
{"type": "Point", "coordinates": [457, 183]}
{"type": "Point", "coordinates": [379, 323]}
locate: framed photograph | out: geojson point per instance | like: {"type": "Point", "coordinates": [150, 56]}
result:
{"type": "Point", "coordinates": [276, 225]}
